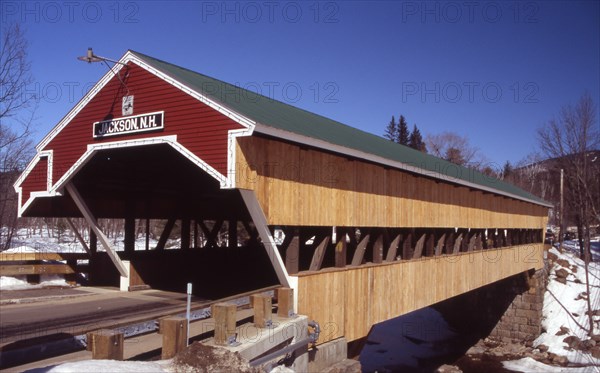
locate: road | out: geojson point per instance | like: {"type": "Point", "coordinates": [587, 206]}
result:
{"type": "Point", "coordinates": [75, 315]}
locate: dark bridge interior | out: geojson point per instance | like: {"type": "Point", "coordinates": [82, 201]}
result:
{"type": "Point", "coordinates": [153, 181]}
{"type": "Point", "coordinates": [157, 182]}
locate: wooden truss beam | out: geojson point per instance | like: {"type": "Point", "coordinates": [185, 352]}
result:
{"type": "Point", "coordinates": [359, 253]}
{"type": "Point", "coordinates": [91, 220]}
{"type": "Point", "coordinates": [211, 234]}
{"type": "Point", "coordinates": [430, 244]}
{"type": "Point", "coordinates": [164, 236]}
{"type": "Point", "coordinates": [407, 252]}
{"type": "Point", "coordinates": [419, 247]}
{"type": "Point", "coordinates": [292, 252]}
{"type": "Point", "coordinates": [457, 244]}
{"type": "Point", "coordinates": [440, 245]}
{"type": "Point", "coordinates": [378, 250]}
{"type": "Point", "coordinates": [260, 221]}
{"type": "Point", "coordinates": [393, 249]}
{"type": "Point", "coordinates": [319, 254]}
{"type": "Point", "coordinates": [340, 253]}
{"type": "Point", "coordinates": [79, 237]}
{"type": "Point", "coordinates": [185, 233]}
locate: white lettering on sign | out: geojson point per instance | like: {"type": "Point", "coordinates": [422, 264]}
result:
{"type": "Point", "coordinates": [128, 125]}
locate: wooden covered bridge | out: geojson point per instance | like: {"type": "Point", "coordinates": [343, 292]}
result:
{"type": "Point", "coordinates": [362, 228]}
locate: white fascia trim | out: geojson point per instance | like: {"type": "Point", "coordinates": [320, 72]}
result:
{"type": "Point", "coordinates": [301, 139]}
{"type": "Point", "coordinates": [131, 57]}
{"type": "Point", "coordinates": [170, 140]}
{"type": "Point", "coordinates": [231, 155]}
{"type": "Point", "coordinates": [56, 189]}
{"type": "Point", "coordinates": [23, 176]}
{"type": "Point", "coordinates": [31, 165]}
{"type": "Point", "coordinates": [80, 105]}
{"type": "Point", "coordinates": [248, 124]}
{"type": "Point", "coordinates": [236, 117]}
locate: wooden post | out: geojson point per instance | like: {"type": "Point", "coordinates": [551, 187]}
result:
{"type": "Point", "coordinates": [224, 317]}
{"type": "Point", "coordinates": [464, 245]}
{"type": "Point", "coordinates": [319, 254]}
{"type": "Point", "coordinates": [340, 253]}
{"type": "Point", "coordinates": [378, 250]}
{"type": "Point", "coordinates": [164, 236]}
{"type": "Point", "coordinates": [185, 233]}
{"type": "Point", "coordinates": [393, 249]}
{"type": "Point", "coordinates": [359, 253]}
{"type": "Point", "coordinates": [407, 251]}
{"type": "Point", "coordinates": [419, 248]}
{"type": "Point", "coordinates": [285, 302]}
{"type": "Point", "coordinates": [292, 254]}
{"type": "Point", "coordinates": [129, 240]}
{"type": "Point", "coordinates": [196, 238]}
{"type": "Point", "coordinates": [93, 242]}
{"type": "Point", "coordinates": [440, 245]}
{"type": "Point", "coordinates": [479, 241]}
{"type": "Point", "coordinates": [105, 344]}
{"type": "Point", "coordinates": [262, 305]}
{"type": "Point", "coordinates": [457, 244]}
{"type": "Point", "coordinates": [232, 233]}
{"type": "Point", "coordinates": [147, 234]}
{"type": "Point", "coordinates": [472, 241]}
{"type": "Point", "coordinates": [174, 332]}
{"type": "Point", "coordinates": [450, 244]}
{"type": "Point", "coordinates": [429, 245]}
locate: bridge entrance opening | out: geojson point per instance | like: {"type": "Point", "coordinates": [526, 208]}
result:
{"type": "Point", "coordinates": [177, 224]}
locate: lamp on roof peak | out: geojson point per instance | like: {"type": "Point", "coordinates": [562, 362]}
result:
{"type": "Point", "coordinates": [91, 57]}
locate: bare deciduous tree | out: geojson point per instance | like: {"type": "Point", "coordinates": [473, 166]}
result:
{"type": "Point", "coordinates": [571, 138]}
{"type": "Point", "coordinates": [16, 118]}
{"type": "Point", "coordinates": [454, 148]}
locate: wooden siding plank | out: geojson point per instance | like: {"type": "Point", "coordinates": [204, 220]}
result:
{"type": "Point", "coordinates": [358, 297]}
{"type": "Point", "coordinates": [322, 189]}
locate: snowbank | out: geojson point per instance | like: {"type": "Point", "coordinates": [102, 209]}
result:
{"type": "Point", "coordinates": [20, 282]}
{"type": "Point", "coordinates": [565, 306]}
{"type": "Point", "coordinates": [564, 313]}
{"type": "Point", "coordinates": [111, 366]}
{"type": "Point", "coordinates": [528, 364]}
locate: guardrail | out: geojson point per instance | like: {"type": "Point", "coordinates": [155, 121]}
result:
{"type": "Point", "coordinates": [42, 263]}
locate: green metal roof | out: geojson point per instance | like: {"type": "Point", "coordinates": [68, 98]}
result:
{"type": "Point", "coordinates": [278, 115]}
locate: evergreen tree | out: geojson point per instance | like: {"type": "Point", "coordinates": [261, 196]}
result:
{"type": "Point", "coordinates": [416, 140]}
{"type": "Point", "coordinates": [507, 170]}
{"type": "Point", "coordinates": [403, 132]}
{"type": "Point", "coordinates": [455, 156]}
{"type": "Point", "coordinates": [391, 131]}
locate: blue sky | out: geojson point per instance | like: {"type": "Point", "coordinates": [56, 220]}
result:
{"type": "Point", "coordinates": [493, 71]}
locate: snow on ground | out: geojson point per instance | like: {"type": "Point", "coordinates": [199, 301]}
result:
{"type": "Point", "coordinates": [528, 364]}
{"type": "Point", "coordinates": [20, 282]}
{"type": "Point", "coordinates": [570, 308]}
{"type": "Point", "coordinates": [565, 306]}
{"type": "Point", "coordinates": [23, 242]}
{"type": "Point", "coordinates": [108, 366]}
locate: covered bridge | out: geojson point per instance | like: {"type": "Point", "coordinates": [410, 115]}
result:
{"type": "Point", "coordinates": [362, 228]}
